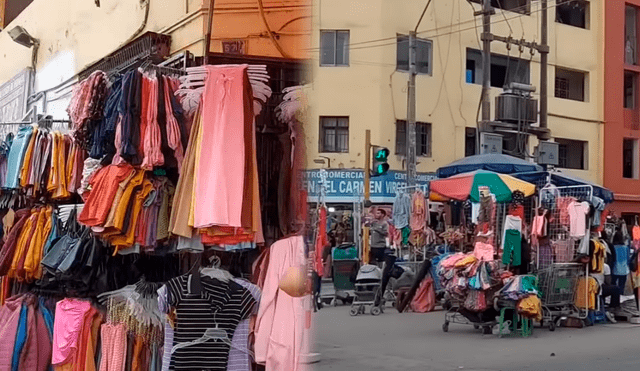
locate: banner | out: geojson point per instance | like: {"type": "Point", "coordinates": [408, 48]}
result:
{"type": "Point", "coordinates": [347, 186]}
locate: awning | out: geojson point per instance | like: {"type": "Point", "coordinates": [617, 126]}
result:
{"type": "Point", "coordinates": [562, 179]}
{"type": "Point", "coordinates": [503, 164]}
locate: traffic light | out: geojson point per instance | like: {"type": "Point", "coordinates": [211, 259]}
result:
{"type": "Point", "coordinates": [380, 165]}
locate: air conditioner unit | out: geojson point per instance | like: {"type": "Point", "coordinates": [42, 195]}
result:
{"type": "Point", "coordinates": [514, 108]}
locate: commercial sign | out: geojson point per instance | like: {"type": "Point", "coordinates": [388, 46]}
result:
{"type": "Point", "coordinates": [13, 97]}
{"type": "Point", "coordinates": [346, 186]}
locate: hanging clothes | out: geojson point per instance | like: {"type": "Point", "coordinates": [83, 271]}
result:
{"type": "Point", "coordinates": [280, 323]}
{"type": "Point", "coordinates": [321, 240]}
{"type": "Point", "coordinates": [401, 210]}
{"type": "Point", "coordinates": [418, 211]}
{"type": "Point", "coordinates": [219, 186]}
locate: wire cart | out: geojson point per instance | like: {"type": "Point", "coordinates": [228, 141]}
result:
{"type": "Point", "coordinates": [557, 284]}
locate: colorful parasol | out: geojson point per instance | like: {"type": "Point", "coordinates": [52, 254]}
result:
{"type": "Point", "coordinates": [466, 186]}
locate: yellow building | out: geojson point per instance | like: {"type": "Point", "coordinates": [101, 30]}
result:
{"type": "Point", "coordinates": [360, 63]}
{"type": "Point", "coordinates": [74, 34]}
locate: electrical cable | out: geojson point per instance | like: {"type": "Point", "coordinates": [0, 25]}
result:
{"type": "Point", "coordinates": [436, 29]}
{"type": "Point", "coordinates": [271, 36]}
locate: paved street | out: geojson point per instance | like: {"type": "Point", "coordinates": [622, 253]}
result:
{"type": "Point", "coordinates": [413, 341]}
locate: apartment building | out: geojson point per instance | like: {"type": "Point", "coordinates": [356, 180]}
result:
{"type": "Point", "coordinates": [622, 108]}
{"type": "Point", "coordinates": [360, 72]}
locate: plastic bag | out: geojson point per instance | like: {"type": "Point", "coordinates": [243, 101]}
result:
{"type": "Point", "coordinates": [425, 298]}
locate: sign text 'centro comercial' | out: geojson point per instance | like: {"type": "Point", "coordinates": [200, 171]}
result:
{"type": "Point", "coordinates": [348, 185]}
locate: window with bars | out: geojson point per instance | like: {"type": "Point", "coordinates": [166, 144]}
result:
{"type": "Point", "coordinates": [334, 134]}
{"type": "Point", "coordinates": [570, 84]}
{"type": "Point", "coordinates": [423, 138]}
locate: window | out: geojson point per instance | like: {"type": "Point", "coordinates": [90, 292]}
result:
{"type": "Point", "coordinates": [334, 48]}
{"type": "Point", "coordinates": [572, 154]}
{"type": "Point", "coordinates": [630, 83]}
{"type": "Point", "coordinates": [630, 35]}
{"type": "Point", "coordinates": [519, 6]}
{"type": "Point", "coordinates": [630, 158]}
{"type": "Point", "coordinates": [423, 55]}
{"type": "Point", "coordinates": [10, 10]}
{"type": "Point", "coordinates": [470, 141]}
{"type": "Point", "coordinates": [570, 84]}
{"type": "Point", "coordinates": [423, 138]}
{"type": "Point", "coordinates": [334, 134]}
{"type": "Point", "coordinates": [573, 12]}
{"type": "Point", "coordinates": [503, 70]}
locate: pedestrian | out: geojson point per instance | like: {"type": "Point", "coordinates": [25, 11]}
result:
{"type": "Point", "coordinates": [379, 250]}
{"type": "Point", "coordinates": [608, 290]}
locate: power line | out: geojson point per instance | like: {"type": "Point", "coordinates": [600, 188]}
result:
{"type": "Point", "coordinates": [438, 29]}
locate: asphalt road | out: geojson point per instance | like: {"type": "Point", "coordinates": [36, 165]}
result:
{"type": "Point", "coordinates": [412, 341]}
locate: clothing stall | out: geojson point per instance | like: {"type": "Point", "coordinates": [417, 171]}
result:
{"type": "Point", "coordinates": [134, 238]}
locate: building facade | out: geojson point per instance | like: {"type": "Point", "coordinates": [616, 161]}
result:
{"type": "Point", "coordinates": [74, 34]}
{"type": "Point", "coordinates": [360, 73]}
{"type": "Point", "coordinates": [622, 107]}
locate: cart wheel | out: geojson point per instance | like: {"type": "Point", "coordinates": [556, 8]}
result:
{"type": "Point", "coordinates": [376, 311]}
{"type": "Point", "coordinates": [445, 327]}
{"type": "Point", "coordinates": [552, 326]}
{"type": "Point", "coordinates": [486, 330]}
{"type": "Point", "coordinates": [476, 327]}
{"type": "Point", "coordinates": [353, 311]}
{"type": "Point", "coordinates": [587, 322]}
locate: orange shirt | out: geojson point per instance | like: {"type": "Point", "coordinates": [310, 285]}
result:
{"type": "Point", "coordinates": [104, 188]}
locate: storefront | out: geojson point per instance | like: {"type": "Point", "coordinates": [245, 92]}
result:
{"type": "Point", "coordinates": [139, 202]}
{"type": "Point", "coordinates": [344, 195]}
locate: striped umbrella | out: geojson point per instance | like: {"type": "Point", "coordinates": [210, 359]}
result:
{"type": "Point", "coordinates": [466, 186]}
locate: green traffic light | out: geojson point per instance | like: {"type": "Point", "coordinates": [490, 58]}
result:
{"type": "Point", "coordinates": [382, 154]}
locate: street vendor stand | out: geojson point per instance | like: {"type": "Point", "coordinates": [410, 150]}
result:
{"type": "Point", "coordinates": [473, 278]}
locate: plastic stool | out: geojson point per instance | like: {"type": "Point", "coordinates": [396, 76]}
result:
{"type": "Point", "coordinates": [520, 326]}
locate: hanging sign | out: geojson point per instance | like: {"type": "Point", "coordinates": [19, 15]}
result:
{"type": "Point", "coordinates": [346, 186]}
{"type": "Point", "coordinates": [13, 97]}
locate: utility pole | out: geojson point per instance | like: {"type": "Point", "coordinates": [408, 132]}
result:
{"type": "Point", "coordinates": [410, 126]}
{"type": "Point", "coordinates": [367, 194]}
{"type": "Point", "coordinates": [486, 62]}
{"type": "Point", "coordinates": [543, 132]}
{"type": "Point", "coordinates": [544, 63]}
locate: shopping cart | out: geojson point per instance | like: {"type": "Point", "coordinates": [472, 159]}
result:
{"type": "Point", "coordinates": [557, 284]}
{"type": "Point", "coordinates": [345, 265]}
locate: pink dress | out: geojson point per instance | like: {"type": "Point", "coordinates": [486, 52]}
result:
{"type": "Point", "coordinates": [221, 174]}
{"type": "Point", "coordinates": [279, 328]}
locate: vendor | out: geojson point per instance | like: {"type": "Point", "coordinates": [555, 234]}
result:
{"type": "Point", "coordinates": [379, 251]}
{"type": "Point", "coordinates": [608, 290]}
{"type": "Point", "coordinates": [379, 232]}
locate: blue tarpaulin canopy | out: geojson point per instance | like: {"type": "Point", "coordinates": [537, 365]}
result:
{"type": "Point", "coordinates": [503, 164]}
{"type": "Point", "coordinates": [560, 179]}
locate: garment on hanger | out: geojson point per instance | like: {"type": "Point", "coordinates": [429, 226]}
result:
{"type": "Point", "coordinates": [401, 210]}
{"type": "Point", "coordinates": [578, 212]}
{"type": "Point", "coordinates": [221, 306]}
{"type": "Point", "coordinates": [418, 211]}
{"type": "Point", "coordinates": [280, 322]}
